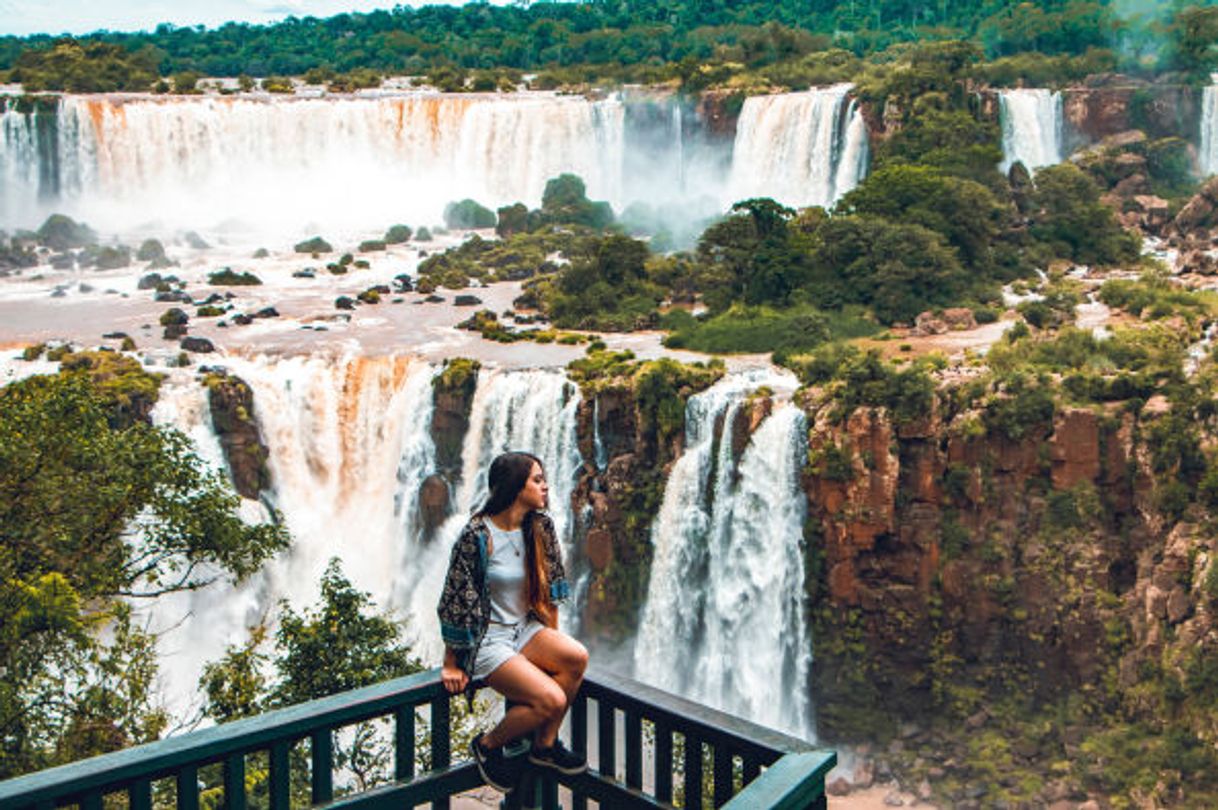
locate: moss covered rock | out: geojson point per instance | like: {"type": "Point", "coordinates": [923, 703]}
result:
{"type": "Point", "coordinates": [235, 421]}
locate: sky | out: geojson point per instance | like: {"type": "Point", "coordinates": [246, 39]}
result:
{"type": "Point", "coordinates": [23, 17]}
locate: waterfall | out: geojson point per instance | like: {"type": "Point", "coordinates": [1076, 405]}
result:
{"type": "Point", "coordinates": [194, 627]}
{"type": "Point", "coordinates": [1031, 122]}
{"type": "Point", "coordinates": [281, 163]}
{"type": "Point", "coordinates": [275, 167]}
{"type": "Point", "coordinates": [1208, 157]}
{"type": "Point", "coordinates": [350, 445]}
{"type": "Point", "coordinates": [756, 653]}
{"type": "Point", "coordinates": [726, 592]}
{"type": "Point", "coordinates": [799, 148]}
{"type": "Point", "coordinates": [20, 164]}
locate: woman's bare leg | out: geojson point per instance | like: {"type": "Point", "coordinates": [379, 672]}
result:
{"type": "Point", "coordinates": [539, 701]}
{"type": "Point", "coordinates": [563, 660]}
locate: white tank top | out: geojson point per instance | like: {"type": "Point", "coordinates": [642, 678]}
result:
{"type": "Point", "coordinates": [505, 575]}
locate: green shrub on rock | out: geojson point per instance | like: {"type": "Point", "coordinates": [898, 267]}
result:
{"type": "Point", "coordinates": [314, 245]}
{"type": "Point", "coordinates": [230, 278]}
{"type": "Point", "coordinates": [60, 232]}
{"type": "Point", "coordinates": [397, 234]}
{"type": "Point", "coordinates": [468, 214]}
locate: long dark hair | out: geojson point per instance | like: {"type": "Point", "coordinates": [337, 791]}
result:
{"type": "Point", "coordinates": [507, 476]}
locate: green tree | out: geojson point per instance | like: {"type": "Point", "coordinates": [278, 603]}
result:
{"type": "Point", "coordinates": [751, 255]}
{"type": "Point", "coordinates": [468, 214]}
{"type": "Point", "coordinates": [565, 201]}
{"type": "Point", "coordinates": [336, 646]}
{"type": "Point", "coordinates": [96, 504]}
{"type": "Point", "coordinates": [1072, 223]}
{"type": "Point", "coordinates": [965, 212]}
{"type": "Point", "coordinates": [898, 270]}
{"type": "Point", "coordinates": [1194, 39]}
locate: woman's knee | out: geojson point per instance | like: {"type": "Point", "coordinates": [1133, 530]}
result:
{"type": "Point", "coordinates": [577, 658]}
{"type": "Point", "coordinates": [551, 701]}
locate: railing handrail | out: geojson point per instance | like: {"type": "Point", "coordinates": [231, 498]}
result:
{"type": "Point", "coordinates": [712, 724]}
{"type": "Point", "coordinates": [213, 744]}
{"type": "Point", "coordinates": [795, 763]}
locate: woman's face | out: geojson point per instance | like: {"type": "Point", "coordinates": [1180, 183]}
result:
{"type": "Point", "coordinates": [536, 491]}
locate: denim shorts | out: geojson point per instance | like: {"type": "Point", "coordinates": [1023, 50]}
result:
{"type": "Point", "coordinates": [501, 642]}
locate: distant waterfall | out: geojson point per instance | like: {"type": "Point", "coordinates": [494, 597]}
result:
{"type": "Point", "coordinates": [283, 163]}
{"type": "Point", "coordinates": [799, 148]}
{"type": "Point", "coordinates": [1208, 157]}
{"type": "Point", "coordinates": [727, 586]}
{"type": "Point", "coordinates": [1031, 122]}
{"type": "Point", "coordinates": [259, 167]}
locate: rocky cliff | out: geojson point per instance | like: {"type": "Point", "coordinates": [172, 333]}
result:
{"type": "Point", "coordinates": [1041, 589]}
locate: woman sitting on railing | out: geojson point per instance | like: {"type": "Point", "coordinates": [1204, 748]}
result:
{"type": "Point", "coordinates": [499, 620]}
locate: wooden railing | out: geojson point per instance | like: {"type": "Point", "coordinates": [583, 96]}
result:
{"type": "Point", "coordinates": [750, 766]}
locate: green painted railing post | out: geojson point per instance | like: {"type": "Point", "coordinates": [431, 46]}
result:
{"type": "Point", "coordinates": [139, 796]}
{"type": "Point", "coordinates": [321, 755]}
{"type": "Point", "coordinates": [441, 753]}
{"type": "Point", "coordinates": [234, 782]}
{"type": "Point", "coordinates": [281, 776]}
{"type": "Point", "coordinates": [188, 788]}
{"type": "Point", "coordinates": [403, 747]}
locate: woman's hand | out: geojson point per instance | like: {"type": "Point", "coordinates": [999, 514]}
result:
{"type": "Point", "coordinates": [451, 675]}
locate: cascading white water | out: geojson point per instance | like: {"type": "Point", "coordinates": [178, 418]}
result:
{"type": "Point", "coordinates": [799, 148]}
{"type": "Point", "coordinates": [194, 627]}
{"type": "Point", "coordinates": [726, 589]}
{"type": "Point", "coordinates": [1207, 158]}
{"type": "Point", "coordinates": [277, 167]}
{"type": "Point", "coordinates": [756, 652]}
{"type": "Point", "coordinates": [19, 161]}
{"type": "Point", "coordinates": [1031, 121]}
{"type": "Point", "coordinates": [280, 164]}
{"type": "Point", "coordinates": [336, 430]}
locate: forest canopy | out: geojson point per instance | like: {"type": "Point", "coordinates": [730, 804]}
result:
{"type": "Point", "coordinates": [689, 41]}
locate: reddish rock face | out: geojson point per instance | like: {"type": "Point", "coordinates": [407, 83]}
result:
{"type": "Point", "coordinates": [1075, 448]}
{"type": "Point", "coordinates": [942, 533]}
{"type": "Point", "coordinates": [718, 112]}
{"type": "Point", "coordinates": [1097, 112]}
{"type": "Point", "coordinates": [434, 502]}
{"type": "Point", "coordinates": [599, 547]}
{"type": "Point", "coordinates": [746, 421]}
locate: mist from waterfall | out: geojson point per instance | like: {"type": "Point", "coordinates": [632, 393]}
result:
{"type": "Point", "coordinates": [1031, 121]}
{"type": "Point", "coordinates": [800, 149]}
{"type": "Point", "coordinates": [1207, 157]}
{"type": "Point", "coordinates": [723, 621]}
